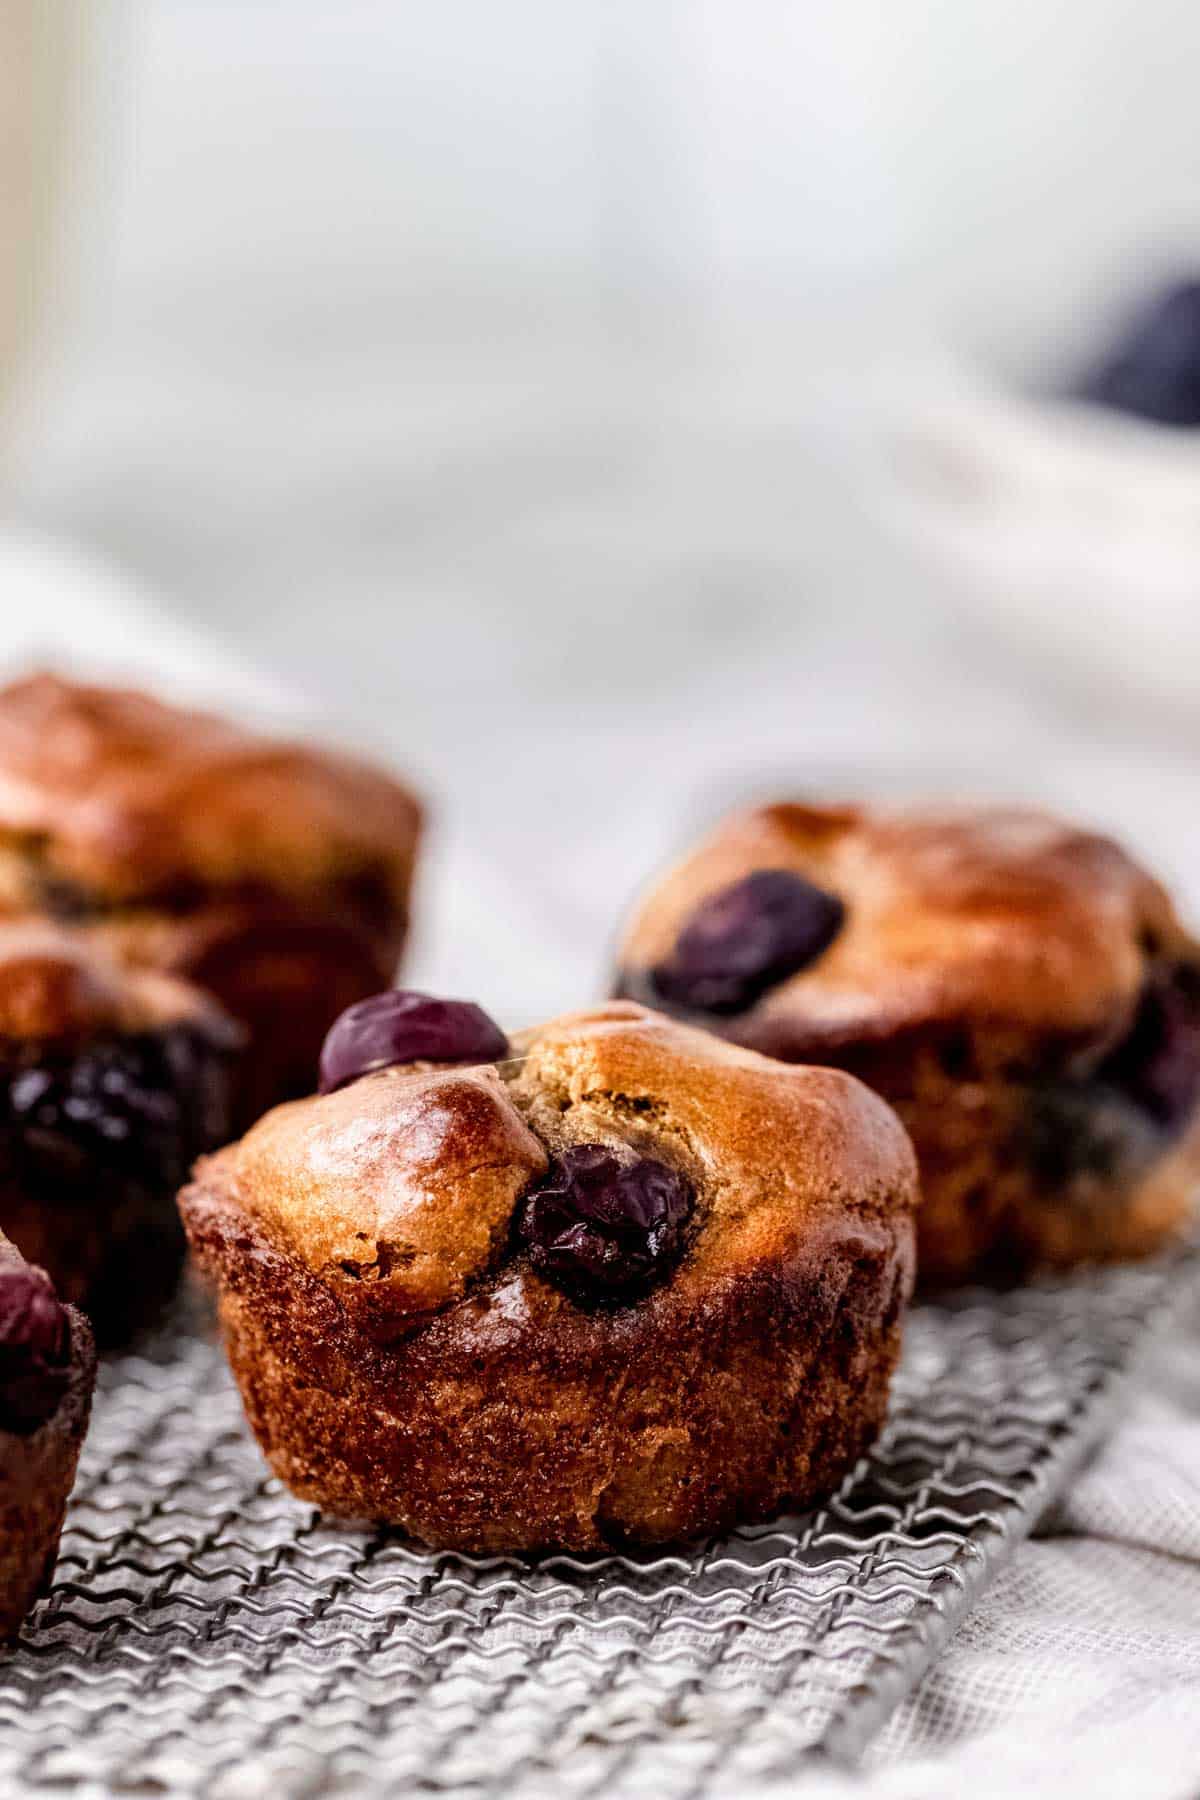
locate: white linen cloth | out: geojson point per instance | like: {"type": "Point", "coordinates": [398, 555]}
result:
{"type": "Point", "coordinates": [1079, 1671]}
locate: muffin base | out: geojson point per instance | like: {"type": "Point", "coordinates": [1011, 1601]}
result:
{"type": "Point", "coordinates": [517, 1421]}
{"type": "Point", "coordinates": [1017, 1177]}
{"type": "Point", "coordinates": [1022, 1167]}
{"type": "Point", "coordinates": [1025, 1169]}
{"type": "Point", "coordinates": [37, 1474]}
{"type": "Point", "coordinates": [116, 1249]}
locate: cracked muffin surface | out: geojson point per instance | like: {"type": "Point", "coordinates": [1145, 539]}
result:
{"type": "Point", "coordinates": [47, 1373]}
{"type": "Point", "coordinates": [274, 874]}
{"type": "Point", "coordinates": [1019, 989]}
{"type": "Point", "coordinates": [628, 1283]}
{"type": "Point", "coordinates": [112, 1081]}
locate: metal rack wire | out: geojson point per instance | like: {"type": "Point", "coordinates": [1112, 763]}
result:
{"type": "Point", "coordinates": [208, 1636]}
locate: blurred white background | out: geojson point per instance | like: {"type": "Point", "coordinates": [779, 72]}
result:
{"type": "Point", "coordinates": [515, 382]}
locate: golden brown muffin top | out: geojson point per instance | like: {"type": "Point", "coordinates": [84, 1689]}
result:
{"type": "Point", "coordinates": [988, 915]}
{"type": "Point", "coordinates": [398, 1191]}
{"type": "Point", "coordinates": [126, 798]}
{"type": "Point", "coordinates": [56, 985]}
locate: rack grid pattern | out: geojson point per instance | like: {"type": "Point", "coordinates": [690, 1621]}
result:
{"type": "Point", "coordinates": [209, 1637]}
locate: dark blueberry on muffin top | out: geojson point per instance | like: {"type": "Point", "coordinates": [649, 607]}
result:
{"type": "Point", "coordinates": [35, 1347]}
{"type": "Point", "coordinates": [604, 1228]}
{"type": "Point", "coordinates": [745, 938]}
{"type": "Point", "coordinates": [405, 1027]}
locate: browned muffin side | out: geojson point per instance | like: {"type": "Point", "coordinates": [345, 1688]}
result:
{"type": "Point", "coordinates": [416, 1342]}
{"type": "Point", "coordinates": [47, 1373]}
{"type": "Point", "coordinates": [112, 1081]}
{"type": "Point", "coordinates": [1020, 990]}
{"type": "Point", "coordinates": [273, 874]}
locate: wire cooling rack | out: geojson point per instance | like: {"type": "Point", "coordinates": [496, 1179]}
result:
{"type": "Point", "coordinates": [208, 1636]}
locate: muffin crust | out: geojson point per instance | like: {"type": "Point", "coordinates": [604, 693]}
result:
{"type": "Point", "coordinates": [128, 799]}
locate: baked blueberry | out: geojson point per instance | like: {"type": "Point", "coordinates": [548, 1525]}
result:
{"type": "Point", "coordinates": [401, 1026]}
{"type": "Point", "coordinates": [47, 1372]}
{"type": "Point", "coordinates": [272, 875]}
{"type": "Point", "coordinates": [1153, 371]}
{"type": "Point", "coordinates": [604, 1227]}
{"type": "Point", "coordinates": [35, 1347]}
{"type": "Point", "coordinates": [1020, 990]}
{"type": "Point", "coordinates": [629, 1284]}
{"type": "Point", "coordinates": [745, 938]}
{"type": "Point", "coordinates": [111, 1083]}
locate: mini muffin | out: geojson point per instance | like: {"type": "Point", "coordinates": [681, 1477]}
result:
{"type": "Point", "coordinates": [112, 1081]}
{"type": "Point", "coordinates": [274, 875]}
{"type": "Point", "coordinates": [1019, 990]}
{"type": "Point", "coordinates": [47, 1372]}
{"type": "Point", "coordinates": [617, 1283]}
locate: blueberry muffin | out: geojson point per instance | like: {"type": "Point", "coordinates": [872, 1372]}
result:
{"type": "Point", "coordinates": [274, 875]}
{"type": "Point", "coordinates": [615, 1282]}
{"type": "Point", "coordinates": [112, 1081]}
{"type": "Point", "coordinates": [47, 1372]}
{"type": "Point", "coordinates": [1019, 990]}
